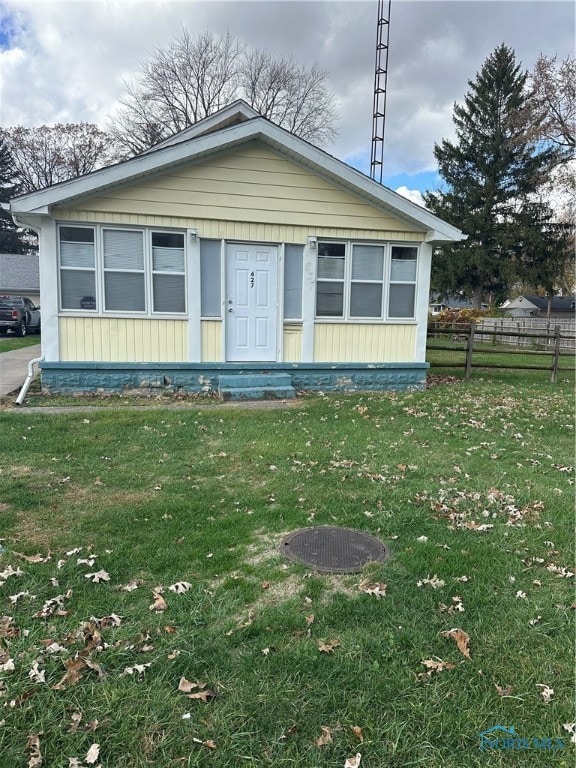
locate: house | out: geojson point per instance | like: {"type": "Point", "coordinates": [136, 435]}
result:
{"type": "Point", "coordinates": [233, 248]}
{"type": "Point", "coordinates": [537, 306]}
{"type": "Point", "coordinates": [454, 301]}
{"type": "Point", "coordinates": [20, 276]}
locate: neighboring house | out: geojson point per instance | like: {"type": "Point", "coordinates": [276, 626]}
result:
{"type": "Point", "coordinates": [19, 275]}
{"type": "Point", "coordinates": [450, 301]}
{"type": "Point", "coordinates": [537, 306]}
{"type": "Point", "coordinates": [233, 247]}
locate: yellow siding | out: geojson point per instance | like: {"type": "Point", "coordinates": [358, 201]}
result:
{"type": "Point", "coordinates": [364, 343]}
{"type": "Point", "coordinates": [243, 194]}
{"type": "Point", "coordinates": [211, 341]}
{"type": "Point", "coordinates": [292, 343]}
{"type": "Point", "coordinates": [123, 340]}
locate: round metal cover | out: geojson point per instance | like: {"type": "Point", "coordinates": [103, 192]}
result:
{"type": "Point", "coordinates": [331, 549]}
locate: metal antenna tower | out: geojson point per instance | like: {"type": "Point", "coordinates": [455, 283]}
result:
{"type": "Point", "coordinates": [380, 83]}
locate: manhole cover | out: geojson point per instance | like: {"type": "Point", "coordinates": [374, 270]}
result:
{"type": "Point", "coordinates": [332, 549]}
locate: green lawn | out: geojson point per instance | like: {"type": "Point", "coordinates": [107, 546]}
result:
{"type": "Point", "coordinates": [9, 343]}
{"type": "Point", "coordinates": [470, 484]}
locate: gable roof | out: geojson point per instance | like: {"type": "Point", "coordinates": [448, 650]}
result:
{"type": "Point", "coordinates": [19, 272]}
{"type": "Point", "coordinates": [231, 127]}
{"type": "Point", "coordinates": [559, 303]}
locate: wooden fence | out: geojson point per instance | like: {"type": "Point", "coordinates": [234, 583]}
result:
{"type": "Point", "coordinates": [517, 327]}
{"type": "Point", "coordinates": [539, 345]}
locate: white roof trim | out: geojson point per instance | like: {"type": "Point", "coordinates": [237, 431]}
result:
{"type": "Point", "coordinates": [221, 119]}
{"type": "Point", "coordinates": [163, 159]}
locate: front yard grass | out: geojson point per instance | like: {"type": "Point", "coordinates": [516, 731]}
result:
{"type": "Point", "coordinates": [471, 485]}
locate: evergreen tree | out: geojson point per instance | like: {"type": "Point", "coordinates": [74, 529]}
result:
{"type": "Point", "coordinates": [491, 173]}
{"type": "Point", "coordinates": [12, 239]}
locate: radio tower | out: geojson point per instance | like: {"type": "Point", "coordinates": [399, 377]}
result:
{"type": "Point", "coordinates": [380, 82]}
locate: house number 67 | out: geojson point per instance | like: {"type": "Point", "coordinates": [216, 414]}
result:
{"type": "Point", "coordinates": [251, 279]}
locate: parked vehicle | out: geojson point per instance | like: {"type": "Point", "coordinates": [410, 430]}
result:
{"type": "Point", "coordinates": [19, 315]}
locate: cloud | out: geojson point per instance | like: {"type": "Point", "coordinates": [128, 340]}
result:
{"type": "Point", "coordinates": [411, 194]}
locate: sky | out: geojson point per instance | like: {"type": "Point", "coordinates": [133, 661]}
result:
{"type": "Point", "coordinates": [66, 60]}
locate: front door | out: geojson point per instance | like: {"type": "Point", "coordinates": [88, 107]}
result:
{"type": "Point", "coordinates": [251, 302]}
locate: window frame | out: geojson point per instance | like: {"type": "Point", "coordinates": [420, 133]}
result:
{"type": "Point", "coordinates": [99, 271]}
{"type": "Point", "coordinates": [386, 283]}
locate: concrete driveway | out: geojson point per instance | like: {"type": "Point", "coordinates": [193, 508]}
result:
{"type": "Point", "coordinates": [14, 367]}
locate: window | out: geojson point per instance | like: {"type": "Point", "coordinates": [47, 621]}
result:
{"type": "Point", "coordinates": [351, 281]}
{"type": "Point", "coordinates": [367, 281]}
{"type": "Point", "coordinates": [168, 284]}
{"type": "Point", "coordinates": [330, 280]}
{"type": "Point", "coordinates": [293, 261]}
{"type": "Point", "coordinates": [77, 268]}
{"type": "Point", "coordinates": [210, 279]}
{"type": "Point", "coordinates": [401, 301]}
{"type": "Point", "coordinates": [109, 269]}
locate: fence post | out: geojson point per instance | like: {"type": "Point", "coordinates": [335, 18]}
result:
{"type": "Point", "coordinates": [554, 374]}
{"type": "Point", "coordinates": [470, 350]}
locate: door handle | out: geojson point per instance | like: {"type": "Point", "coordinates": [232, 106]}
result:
{"type": "Point", "coordinates": [230, 310]}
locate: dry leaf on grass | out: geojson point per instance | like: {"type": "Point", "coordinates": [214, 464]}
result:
{"type": "Point", "coordinates": [36, 674]}
{"type": "Point", "coordinates": [353, 762]}
{"type": "Point", "coordinates": [435, 666]}
{"type": "Point", "coordinates": [325, 738]}
{"type": "Point", "coordinates": [201, 692]}
{"type": "Point", "coordinates": [571, 728]}
{"type": "Point", "coordinates": [131, 586]}
{"type": "Point", "coordinates": [33, 747]}
{"type": "Point", "coordinates": [38, 558]}
{"type": "Point", "coordinates": [328, 646]}
{"type": "Point", "coordinates": [547, 693]}
{"type": "Point", "coordinates": [180, 587]}
{"type": "Point", "coordinates": [92, 754]}
{"type": "Point", "coordinates": [433, 582]}
{"type": "Point", "coordinates": [137, 668]}
{"type": "Point", "coordinates": [503, 691]}
{"type": "Point", "coordinates": [376, 588]}
{"type": "Point", "coordinates": [209, 744]}
{"type": "Point", "coordinates": [74, 672]}
{"type": "Point", "coordinates": [97, 576]}
{"type": "Point", "coordinates": [461, 638]}
{"type": "Point", "coordinates": [357, 731]}
{"type": "Point", "coordinates": [159, 605]}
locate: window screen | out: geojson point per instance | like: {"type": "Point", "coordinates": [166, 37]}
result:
{"type": "Point", "coordinates": [124, 279]}
{"type": "Point", "coordinates": [77, 268]}
{"type": "Point", "coordinates": [293, 260]}
{"type": "Point", "coordinates": [210, 279]}
{"type": "Point", "coordinates": [168, 278]}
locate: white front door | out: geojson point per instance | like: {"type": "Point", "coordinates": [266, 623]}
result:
{"type": "Point", "coordinates": [251, 302]}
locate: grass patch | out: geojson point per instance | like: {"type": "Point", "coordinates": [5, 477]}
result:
{"type": "Point", "coordinates": [10, 343]}
{"type": "Point", "coordinates": [470, 483]}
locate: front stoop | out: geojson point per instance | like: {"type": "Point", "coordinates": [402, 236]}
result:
{"type": "Point", "coordinates": [256, 386]}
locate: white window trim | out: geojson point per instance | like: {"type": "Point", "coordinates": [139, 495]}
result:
{"type": "Point", "coordinates": [99, 270]}
{"type": "Point", "coordinates": [384, 318]}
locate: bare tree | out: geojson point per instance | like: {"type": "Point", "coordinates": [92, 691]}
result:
{"type": "Point", "coordinates": [197, 75]}
{"type": "Point", "coordinates": [552, 105]}
{"type": "Point", "coordinates": [52, 153]}
{"type": "Point", "coordinates": [291, 95]}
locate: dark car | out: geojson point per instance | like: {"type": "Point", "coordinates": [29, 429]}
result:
{"type": "Point", "coordinates": [19, 314]}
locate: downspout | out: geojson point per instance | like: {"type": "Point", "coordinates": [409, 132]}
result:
{"type": "Point", "coordinates": [20, 399]}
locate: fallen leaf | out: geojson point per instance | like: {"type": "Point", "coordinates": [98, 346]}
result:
{"type": "Point", "coordinates": [159, 603]}
{"type": "Point", "coordinates": [329, 646]}
{"type": "Point", "coordinates": [185, 686]}
{"type": "Point", "coordinates": [461, 638]}
{"type": "Point", "coordinates": [325, 738]}
{"type": "Point", "coordinates": [209, 744]}
{"type": "Point", "coordinates": [503, 691]}
{"type": "Point", "coordinates": [289, 732]}
{"type": "Point", "coordinates": [310, 619]}
{"type": "Point", "coordinates": [74, 672]}
{"type": "Point", "coordinates": [38, 558]}
{"type": "Point", "coordinates": [97, 576]}
{"type": "Point", "coordinates": [36, 674]}
{"type": "Point", "coordinates": [92, 754]}
{"type": "Point", "coordinates": [435, 666]}
{"type": "Point", "coordinates": [137, 668]}
{"type": "Point", "coordinates": [376, 588]}
{"type": "Point", "coordinates": [131, 586]}
{"type": "Point", "coordinates": [33, 747]}
{"type": "Point", "coordinates": [180, 587]}
{"type": "Point", "coordinates": [547, 693]}
{"type": "Point", "coordinates": [357, 731]}
{"type": "Point", "coordinates": [76, 718]}
{"type": "Point", "coordinates": [205, 696]}
{"type": "Point", "coordinates": [353, 762]}
{"type": "Point", "coordinates": [433, 582]}
{"type": "Point", "coordinates": [571, 728]}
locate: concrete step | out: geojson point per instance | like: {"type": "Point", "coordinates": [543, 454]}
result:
{"type": "Point", "coordinates": [255, 386]}
{"type": "Point", "coordinates": [257, 393]}
{"type": "Point", "coordinates": [230, 381]}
